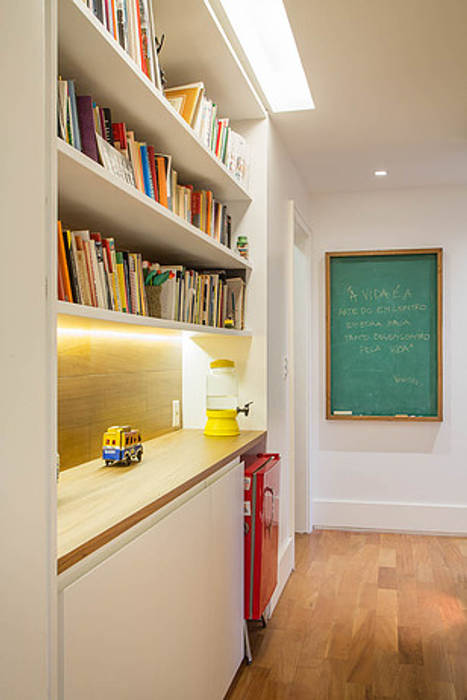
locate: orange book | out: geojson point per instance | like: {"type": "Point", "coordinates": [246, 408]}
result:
{"type": "Point", "coordinates": [114, 19]}
{"type": "Point", "coordinates": [162, 181]}
{"type": "Point", "coordinates": [63, 265]}
{"type": "Point", "coordinates": [60, 287]}
{"type": "Point", "coordinates": [185, 100]}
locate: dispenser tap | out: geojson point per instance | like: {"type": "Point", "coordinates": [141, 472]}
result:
{"type": "Point", "coordinates": [245, 409]}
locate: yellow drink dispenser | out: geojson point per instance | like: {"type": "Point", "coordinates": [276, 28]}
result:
{"type": "Point", "coordinates": [222, 400]}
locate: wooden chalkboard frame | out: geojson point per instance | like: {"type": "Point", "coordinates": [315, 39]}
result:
{"type": "Point", "coordinates": [373, 253]}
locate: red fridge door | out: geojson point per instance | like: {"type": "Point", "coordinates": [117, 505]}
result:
{"type": "Point", "coordinates": [262, 480]}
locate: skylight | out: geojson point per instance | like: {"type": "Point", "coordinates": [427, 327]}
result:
{"type": "Point", "coordinates": [263, 30]}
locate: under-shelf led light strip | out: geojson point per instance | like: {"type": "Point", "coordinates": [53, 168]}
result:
{"type": "Point", "coordinates": [107, 333]}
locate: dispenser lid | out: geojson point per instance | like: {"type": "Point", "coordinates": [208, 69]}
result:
{"type": "Point", "coordinates": [222, 363]}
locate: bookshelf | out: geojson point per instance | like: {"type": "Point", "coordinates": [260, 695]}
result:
{"type": "Point", "coordinates": [92, 198]}
{"type": "Point", "coordinates": [88, 53]}
{"type": "Point", "coordinates": [90, 195]}
{"type": "Point", "coordinates": [90, 312]}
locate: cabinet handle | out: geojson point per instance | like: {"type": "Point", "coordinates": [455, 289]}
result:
{"type": "Point", "coordinates": [267, 524]}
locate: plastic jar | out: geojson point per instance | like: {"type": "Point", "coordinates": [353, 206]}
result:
{"type": "Point", "coordinates": [222, 386]}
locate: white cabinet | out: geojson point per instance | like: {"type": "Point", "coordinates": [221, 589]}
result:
{"type": "Point", "coordinates": [162, 618]}
{"type": "Point", "coordinates": [226, 580]}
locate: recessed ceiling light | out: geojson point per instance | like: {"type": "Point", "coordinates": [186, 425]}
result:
{"type": "Point", "coordinates": [263, 30]}
{"type": "Point", "coordinates": [381, 173]}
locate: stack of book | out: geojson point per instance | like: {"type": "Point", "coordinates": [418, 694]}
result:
{"type": "Point", "coordinates": [208, 298]}
{"type": "Point", "coordinates": [131, 23]}
{"type": "Point", "coordinates": [88, 127]}
{"type": "Point", "coordinates": [92, 272]}
{"type": "Point", "coordinates": [215, 133]}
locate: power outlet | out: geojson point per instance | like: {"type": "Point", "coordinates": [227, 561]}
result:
{"type": "Point", "coordinates": [176, 413]}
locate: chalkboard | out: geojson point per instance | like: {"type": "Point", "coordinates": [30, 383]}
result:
{"type": "Point", "coordinates": [384, 335]}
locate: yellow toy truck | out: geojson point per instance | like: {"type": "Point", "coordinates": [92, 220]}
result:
{"type": "Point", "coordinates": [121, 445]}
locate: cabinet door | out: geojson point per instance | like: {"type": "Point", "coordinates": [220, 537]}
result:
{"type": "Point", "coordinates": [226, 613]}
{"type": "Point", "coordinates": [135, 627]}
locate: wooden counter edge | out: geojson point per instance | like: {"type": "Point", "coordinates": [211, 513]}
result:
{"type": "Point", "coordinates": [70, 558]}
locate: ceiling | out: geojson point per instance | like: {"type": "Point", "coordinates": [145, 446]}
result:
{"type": "Point", "coordinates": [389, 80]}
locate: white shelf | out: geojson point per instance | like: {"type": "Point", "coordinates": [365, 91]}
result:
{"type": "Point", "coordinates": [96, 314]}
{"type": "Point", "coordinates": [90, 54]}
{"type": "Point", "coordinates": [92, 197]}
{"type": "Point", "coordinates": [196, 48]}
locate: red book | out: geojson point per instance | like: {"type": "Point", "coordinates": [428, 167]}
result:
{"type": "Point", "coordinates": [152, 165]}
{"type": "Point", "coordinates": [140, 35]}
{"type": "Point", "coordinates": [196, 209]}
{"type": "Point", "coordinates": [119, 134]}
{"type": "Point", "coordinates": [218, 137]}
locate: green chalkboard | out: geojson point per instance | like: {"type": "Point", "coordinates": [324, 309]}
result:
{"type": "Point", "coordinates": [384, 335]}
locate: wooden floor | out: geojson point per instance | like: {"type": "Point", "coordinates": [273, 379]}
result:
{"type": "Point", "coordinates": [365, 616]}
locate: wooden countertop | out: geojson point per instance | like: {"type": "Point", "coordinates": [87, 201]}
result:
{"type": "Point", "coordinates": [97, 503]}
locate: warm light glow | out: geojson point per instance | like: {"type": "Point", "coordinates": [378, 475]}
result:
{"type": "Point", "coordinates": [107, 333]}
{"type": "Point", "coordinates": [263, 30]}
{"type": "Point", "coordinates": [381, 173]}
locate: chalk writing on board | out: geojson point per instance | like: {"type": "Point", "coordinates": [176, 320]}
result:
{"type": "Point", "coordinates": [407, 380]}
{"type": "Point", "coordinates": [377, 294]}
{"type": "Point", "coordinates": [383, 327]}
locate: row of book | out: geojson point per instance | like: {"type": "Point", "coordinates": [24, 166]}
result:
{"type": "Point", "coordinates": [88, 127]}
{"type": "Point", "coordinates": [131, 23]}
{"type": "Point", "coordinates": [191, 102]}
{"type": "Point", "coordinates": [91, 271]}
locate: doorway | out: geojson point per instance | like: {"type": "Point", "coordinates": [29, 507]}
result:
{"type": "Point", "coordinates": [300, 376]}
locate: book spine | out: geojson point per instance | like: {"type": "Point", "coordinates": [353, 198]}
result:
{"type": "Point", "coordinates": [60, 287]}
{"type": "Point", "coordinates": [112, 269]}
{"type": "Point", "coordinates": [152, 167]}
{"type": "Point", "coordinates": [135, 157]}
{"type": "Point", "coordinates": [83, 266]}
{"type": "Point", "coordinates": [161, 180]}
{"type": "Point", "coordinates": [98, 9]}
{"type": "Point", "coordinates": [121, 282]}
{"type": "Point", "coordinates": [74, 114]}
{"type": "Point", "coordinates": [67, 238]}
{"type": "Point", "coordinates": [126, 271]}
{"type": "Point", "coordinates": [76, 269]}
{"type": "Point", "coordinates": [147, 177]}
{"type": "Point", "coordinates": [139, 38]}
{"type": "Point", "coordinates": [87, 127]}
{"type": "Point", "coordinates": [121, 24]}
{"type": "Point", "coordinates": [63, 264]}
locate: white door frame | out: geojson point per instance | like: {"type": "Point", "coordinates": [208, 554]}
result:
{"type": "Point", "coordinates": [297, 222]}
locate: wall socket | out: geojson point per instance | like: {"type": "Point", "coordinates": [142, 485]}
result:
{"type": "Point", "coordinates": [176, 413]}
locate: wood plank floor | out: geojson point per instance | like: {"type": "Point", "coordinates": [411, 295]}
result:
{"type": "Point", "coordinates": [365, 617]}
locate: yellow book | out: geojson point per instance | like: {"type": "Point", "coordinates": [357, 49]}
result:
{"type": "Point", "coordinates": [121, 283]}
{"type": "Point", "coordinates": [185, 99]}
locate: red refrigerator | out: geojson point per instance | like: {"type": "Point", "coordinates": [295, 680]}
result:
{"type": "Point", "coordinates": [262, 480]}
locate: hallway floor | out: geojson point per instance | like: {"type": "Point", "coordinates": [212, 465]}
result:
{"type": "Point", "coordinates": [365, 617]}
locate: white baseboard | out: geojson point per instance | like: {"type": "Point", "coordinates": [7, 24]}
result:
{"type": "Point", "coordinates": [433, 518]}
{"type": "Point", "coordinates": [285, 568]}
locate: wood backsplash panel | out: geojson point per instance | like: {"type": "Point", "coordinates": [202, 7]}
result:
{"type": "Point", "coordinates": [111, 377]}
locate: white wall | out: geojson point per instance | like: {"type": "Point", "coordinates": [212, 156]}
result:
{"type": "Point", "coordinates": [302, 412]}
{"type": "Point", "coordinates": [394, 475]}
{"type": "Point", "coordinates": [27, 480]}
{"type": "Point", "coordinates": [284, 184]}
